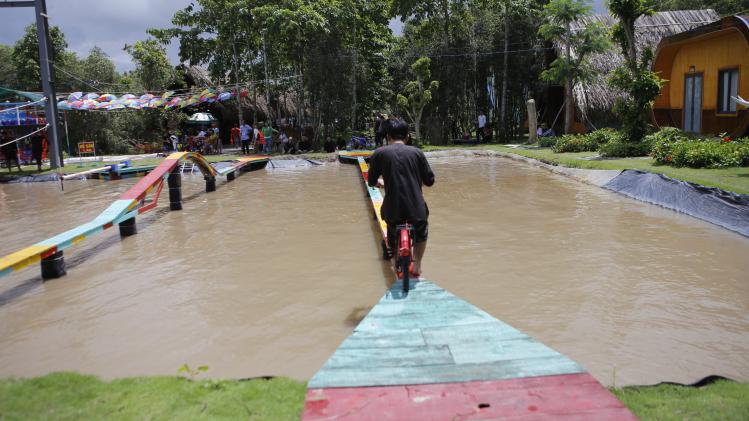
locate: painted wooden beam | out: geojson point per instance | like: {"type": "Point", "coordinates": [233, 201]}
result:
{"type": "Point", "coordinates": [130, 204]}
{"type": "Point", "coordinates": [569, 396]}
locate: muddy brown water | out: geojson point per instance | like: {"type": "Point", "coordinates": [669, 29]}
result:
{"type": "Point", "coordinates": [270, 273]}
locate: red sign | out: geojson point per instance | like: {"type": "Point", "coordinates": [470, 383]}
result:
{"type": "Point", "coordinates": [86, 147]}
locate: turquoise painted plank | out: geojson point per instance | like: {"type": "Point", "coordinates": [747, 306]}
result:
{"type": "Point", "coordinates": [126, 216]}
{"type": "Point", "coordinates": [446, 373]}
{"type": "Point", "coordinates": [449, 308]}
{"type": "Point", "coordinates": [480, 347]}
{"type": "Point", "coordinates": [480, 332]}
{"type": "Point", "coordinates": [67, 236]}
{"type": "Point", "coordinates": [361, 358]}
{"type": "Point", "coordinates": [486, 352]}
{"type": "Point", "coordinates": [407, 320]}
{"type": "Point", "coordinates": [401, 338]}
{"type": "Point", "coordinates": [6, 271]}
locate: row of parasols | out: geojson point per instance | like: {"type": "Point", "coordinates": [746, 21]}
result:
{"type": "Point", "coordinates": [108, 102]}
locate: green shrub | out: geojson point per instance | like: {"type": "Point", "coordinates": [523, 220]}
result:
{"type": "Point", "coordinates": [603, 136]}
{"type": "Point", "coordinates": [662, 143]}
{"type": "Point", "coordinates": [574, 143]}
{"type": "Point", "coordinates": [547, 142]}
{"type": "Point", "coordinates": [709, 153]}
{"type": "Point", "coordinates": [618, 148]}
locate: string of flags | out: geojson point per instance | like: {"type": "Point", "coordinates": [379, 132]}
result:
{"type": "Point", "coordinates": [108, 102]}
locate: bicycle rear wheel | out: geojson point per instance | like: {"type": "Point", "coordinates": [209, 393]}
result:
{"type": "Point", "coordinates": [404, 265]}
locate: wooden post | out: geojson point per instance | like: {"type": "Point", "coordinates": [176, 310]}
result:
{"type": "Point", "coordinates": [532, 122]}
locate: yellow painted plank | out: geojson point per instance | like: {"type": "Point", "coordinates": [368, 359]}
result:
{"type": "Point", "coordinates": [23, 258]}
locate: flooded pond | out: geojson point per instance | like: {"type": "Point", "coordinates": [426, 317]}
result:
{"type": "Point", "coordinates": [270, 273]}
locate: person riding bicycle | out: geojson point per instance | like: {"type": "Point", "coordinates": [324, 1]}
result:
{"type": "Point", "coordinates": [404, 170]}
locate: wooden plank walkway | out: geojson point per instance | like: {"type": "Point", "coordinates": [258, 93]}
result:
{"type": "Point", "coordinates": [428, 355]}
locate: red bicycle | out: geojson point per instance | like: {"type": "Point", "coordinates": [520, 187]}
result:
{"type": "Point", "coordinates": [404, 260]}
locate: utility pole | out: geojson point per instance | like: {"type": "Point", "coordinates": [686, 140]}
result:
{"type": "Point", "coordinates": [48, 75]}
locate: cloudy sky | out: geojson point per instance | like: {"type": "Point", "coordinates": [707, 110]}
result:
{"type": "Point", "coordinates": [110, 24]}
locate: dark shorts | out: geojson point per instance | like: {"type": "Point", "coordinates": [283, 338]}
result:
{"type": "Point", "coordinates": [420, 233]}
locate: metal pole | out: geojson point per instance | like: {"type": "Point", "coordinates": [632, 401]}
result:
{"type": "Point", "coordinates": [67, 138]}
{"type": "Point", "coordinates": [48, 83]}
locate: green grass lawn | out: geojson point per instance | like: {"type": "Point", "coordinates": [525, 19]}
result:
{"type": "Point", "coordinates": [734, 179]}
{"type": "Point", "coordinates": [71, 396]}
{"type": "Point", "coordinates": [722, 400]}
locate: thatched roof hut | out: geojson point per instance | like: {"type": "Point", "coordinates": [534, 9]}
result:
{"type": "Point", "coordinates": [598, 96]}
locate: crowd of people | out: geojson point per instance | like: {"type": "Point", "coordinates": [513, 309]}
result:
{"type": "Point", "coordinates": [203, 140]}
{"type": "Point", "coordinates": [265, 138]}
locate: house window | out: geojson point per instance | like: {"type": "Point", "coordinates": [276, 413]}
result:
{"type": "Point", "coordinates": [728, 86]}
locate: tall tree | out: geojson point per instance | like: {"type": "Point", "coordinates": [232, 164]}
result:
{"type": "Point", "coordinates": [8, 72]}
{"type": "Point", "coordinates": [26, 56]}
{"type": "Point", "coordinates": [152, 67]}
{"type": "Point", "coordinates": [418, 93]}
{"type": "Point", "coordinates": [570, 68]}
{"type": "Point", "coordinates": [98, 69]}
{"type": "Point", "coordinates": [635, 77]}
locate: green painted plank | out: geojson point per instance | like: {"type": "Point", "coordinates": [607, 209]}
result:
{"type": "Point", "coordinates": [400, 338]}
{"type": "Point", "coordinates": [447, 373]}
{"type": "Point", "coordinates": [361, 358]}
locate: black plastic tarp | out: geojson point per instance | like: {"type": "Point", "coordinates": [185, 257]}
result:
{"type": "Point", "coordinates": [729, 210]}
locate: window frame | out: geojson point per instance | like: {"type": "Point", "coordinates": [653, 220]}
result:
{"type": "Point", "coordinates": [721, 71]}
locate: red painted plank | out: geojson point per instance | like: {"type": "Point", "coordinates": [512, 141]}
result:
{"type": "Point", "coordinates": [139, 188]}
{"type": "Point", "coordinates": [569, 396]}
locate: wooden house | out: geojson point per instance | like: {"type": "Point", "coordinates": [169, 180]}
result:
{"type": "Point", "coordinates": [705, 67]}
{"type": "Point", "coordinates": [595, 99]}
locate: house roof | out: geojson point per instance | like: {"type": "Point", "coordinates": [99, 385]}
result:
{"type": "Point", "coordinates": [649, 30]}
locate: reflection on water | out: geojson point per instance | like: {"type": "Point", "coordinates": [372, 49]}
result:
{"type": "Point", "coordinates": [270, 273]}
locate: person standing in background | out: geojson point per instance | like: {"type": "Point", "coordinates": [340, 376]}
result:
{"type": "Point", "coordinates": [37, 149]}
{"type": "Point", "coordinates": [268, 135]}
{"type": "Point", "coordinates": [235, 136]}
{"type": "Point", "coordinates": [244, 137]}
{"type": "Point", "coordinates": [10, 149]}
{"type": "Point", "coordinates": [482, 125]}
{"type": "Point", "coordinates": [378, 130]}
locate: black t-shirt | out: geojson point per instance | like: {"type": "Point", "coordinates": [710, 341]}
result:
{"type": "Point", "coordinates": [404, 169]}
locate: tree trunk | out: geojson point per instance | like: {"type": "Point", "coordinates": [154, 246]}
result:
{"type": "Point", "coordinates": [353, 76]}
{"type": "Point", "coordinates": [569, 102]}
{"type": "Point", "coordinates": [503, 105]}
{"type": "Point", "coordinates": [267, 84]}
{"type": "Point", "coordinates": [446, 23]}
{"type": "Point", "coordinates": [569, 107]}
